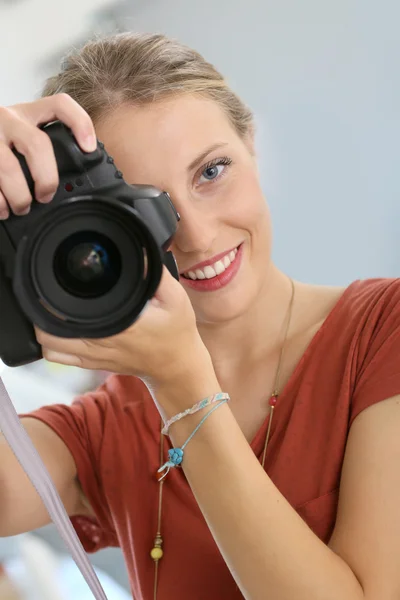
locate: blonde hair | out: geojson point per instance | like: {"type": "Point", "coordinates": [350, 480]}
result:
{"type": "Point", "coordinates": [140, 68]}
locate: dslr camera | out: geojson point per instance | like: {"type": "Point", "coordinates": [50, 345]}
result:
{"type": "Point", "coordinates": [86, 264]}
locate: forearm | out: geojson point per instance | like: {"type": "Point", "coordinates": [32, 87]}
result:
{"type": "Point", "coordinates": [269, 549]}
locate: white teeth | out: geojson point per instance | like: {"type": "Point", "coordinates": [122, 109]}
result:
{"type": "Point", "coordinates": [213, 270]}
{"type": "Point", "coordinates": [219, 267]}
{"type": "Point", "coordinates": [209, 272]}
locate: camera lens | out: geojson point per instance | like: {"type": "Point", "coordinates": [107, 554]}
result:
{"type": "Point", "coordinates": [87, 264]}
{"type": "Point", "coordinates": [89, 268]}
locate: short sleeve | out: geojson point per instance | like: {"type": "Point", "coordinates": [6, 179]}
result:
{"type": "Point", "coordinates": [378, 376]}
{"type": "Point", "coordinates": [82, 426]}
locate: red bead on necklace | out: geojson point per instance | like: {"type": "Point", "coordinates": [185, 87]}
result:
{"type": "Point", "coordinates": [273, 400]}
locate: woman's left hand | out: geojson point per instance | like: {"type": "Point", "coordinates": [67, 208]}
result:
{"type": "Point", "coordinates": [162, 345]}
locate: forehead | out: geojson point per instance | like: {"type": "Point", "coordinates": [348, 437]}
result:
{"type": "Point", "coordinates": [176, 127]}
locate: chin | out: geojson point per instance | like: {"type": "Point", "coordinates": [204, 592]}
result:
{"type": "Point", "coordinates": [227, 306]}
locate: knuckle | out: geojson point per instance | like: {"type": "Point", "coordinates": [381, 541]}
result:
{"type": "Point", "coordinates": [67, 103]}
{"type": "Point", "coordinates": [63, 99]}
{"type": "Point", "coordinates": [5, 112]}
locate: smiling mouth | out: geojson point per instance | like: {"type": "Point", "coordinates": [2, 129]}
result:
{"type": "Point", "coordinates": [213, 270]}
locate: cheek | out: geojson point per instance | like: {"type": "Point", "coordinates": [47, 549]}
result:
{"type": "Point", "coordinates": [248, 204]}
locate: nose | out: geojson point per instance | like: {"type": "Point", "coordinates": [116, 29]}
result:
{"type": "Point", "coordinates": [196, 231]}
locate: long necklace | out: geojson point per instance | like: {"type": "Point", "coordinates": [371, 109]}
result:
{"type": "Point", "coordinates": [157, 551]}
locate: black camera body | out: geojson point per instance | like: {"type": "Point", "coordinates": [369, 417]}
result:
{"type": "Point", "coordinates": [86, 264]}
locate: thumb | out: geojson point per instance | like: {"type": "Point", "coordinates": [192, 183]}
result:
{"type": "Point", "coordinates": [169, 289]}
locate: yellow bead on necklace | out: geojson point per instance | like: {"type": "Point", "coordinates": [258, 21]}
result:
{"type": "Point", "coordinates": [157, 552]}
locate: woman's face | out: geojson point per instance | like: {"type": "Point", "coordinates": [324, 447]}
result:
{"type": "Point", "coordinates": [187, 147]}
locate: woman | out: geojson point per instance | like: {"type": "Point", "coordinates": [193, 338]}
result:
{"type": "Point", "coordinates": [281, 489]}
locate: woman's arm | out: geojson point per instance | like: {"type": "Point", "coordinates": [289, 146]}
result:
{"type": "Point", "coordinates": [269, 549]}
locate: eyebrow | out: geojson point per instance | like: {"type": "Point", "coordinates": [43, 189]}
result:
{"type": "Point", "coordinates": [203, 155]}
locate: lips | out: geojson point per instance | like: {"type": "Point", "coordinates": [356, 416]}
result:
{"type": "Point", "coordinates": [210, 261]}
{"type": "Point", "coordinates": [218, 282]}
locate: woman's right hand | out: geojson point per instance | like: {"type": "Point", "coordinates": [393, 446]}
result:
{"type": "Point", "coordinates": [19, 129]}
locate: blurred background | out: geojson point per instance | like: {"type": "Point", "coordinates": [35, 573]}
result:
{"type": "Point", "coordinates": [323, 79]}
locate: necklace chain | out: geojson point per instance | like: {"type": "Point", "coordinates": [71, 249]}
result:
{"type": "Point", "coordinates": [157, 551]}
{"type": "Point", "coordinates": [275, 394]}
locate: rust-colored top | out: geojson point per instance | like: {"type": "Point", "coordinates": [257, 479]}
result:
{"type": "Point", "coordinates": [114, 434]}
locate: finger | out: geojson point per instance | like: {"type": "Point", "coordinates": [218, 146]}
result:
{"type": "Point", "coordinates": [14, 188]}
{"type": "Point", "coordinates": [64, 345]}
{"type": "Point", "coordinates": [71, 360]}
{"type": "Point", "coordinates": [61, 358]}
{"type": "Point", "coordinates": [62, 107]}
{"type": "Point", "coordinates": [169, 289]}
{"type": "Point", "coordinates": [38, 151]}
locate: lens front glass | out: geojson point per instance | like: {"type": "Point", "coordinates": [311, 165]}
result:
{"type": "Point", "coordinates": [87, 264]}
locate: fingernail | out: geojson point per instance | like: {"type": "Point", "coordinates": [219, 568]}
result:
{"type": "Point", "coordinates": [45, 199]}
{"type": "Point", "coordinates": [90, 143]}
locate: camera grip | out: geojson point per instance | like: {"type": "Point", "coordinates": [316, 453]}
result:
{"type": "Point", "coordinates": [70, 158]}
{"type": "Point", "coordinates": [18, 345]}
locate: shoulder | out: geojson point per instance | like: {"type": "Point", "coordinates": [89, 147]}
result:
{"type": "Point", "coordinates": [365, 322]}
{"type": "Point", "coordinates": [373, 296]}
{"type": "Point", "coordinates": [346, 319]}
{"type": "Point", "coordinates": [371, 307]}
{"type": "Point", "coordinates": [363, 296]}
{"type": "Point", "coordinates": [363, 308]}
{"type": "Point", "coordinates": [356, 346]}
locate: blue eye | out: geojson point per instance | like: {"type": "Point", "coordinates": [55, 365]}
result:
{"type": "Point", "coordinates": [213, 170]}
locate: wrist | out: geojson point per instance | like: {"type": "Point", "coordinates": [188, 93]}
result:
{"type": "Point", "coordinates": [196, 362]}
{"type": "Point", "coordinates": [195, 382]}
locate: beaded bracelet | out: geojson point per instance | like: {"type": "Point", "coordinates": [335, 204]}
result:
{"type": "Point", "coordinates": [198, 406]}
{"type": "Point", "coordinates": [176, 454]}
